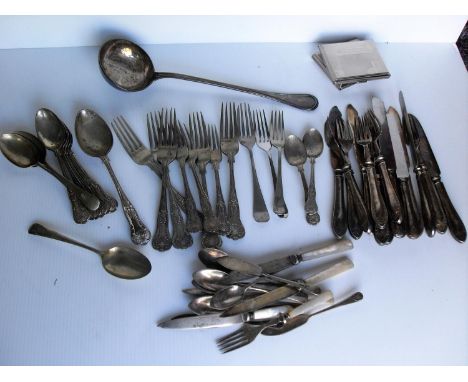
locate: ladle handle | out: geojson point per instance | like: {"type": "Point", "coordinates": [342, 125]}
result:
{"type": "Point", "coordinates": [90, 201]}
{"type": "Point", "coordinates": [300, 101]}
{"type": "Point", "coordinates": [40, 230]}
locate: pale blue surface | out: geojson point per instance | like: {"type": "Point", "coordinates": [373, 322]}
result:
{"type": "Point", "coordinates": [59, 307]}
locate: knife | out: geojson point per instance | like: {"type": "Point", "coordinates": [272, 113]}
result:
{"type": "Point", "coordinates": [386, 160]}
{"type": "Point", "coordinates": [455, 224]}
{"type": "Point", "coordinates": [325, 272]}
{"type": "Point", "coordinates": [433, 213]}
{"type": "Point", "coordinates": [339, 206]}
{"type": "Point", "coordinates": [411, 213]}
{"type": "Point", "coordinates": [206, 321]}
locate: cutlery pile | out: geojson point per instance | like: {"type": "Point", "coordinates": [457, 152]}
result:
{"type": "Point", "coordinates": [386, 205]}
{"type": "Point", "coordinates": [233, 291]}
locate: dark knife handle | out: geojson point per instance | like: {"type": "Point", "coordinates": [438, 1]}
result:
{"type": "Point", "coordinates": [439, 221]}
{"type": "Point", "coordinates": [425, 210]}
{"type": "Point", "coordinates": [412, 215]}
{"type": "Point", "coordinates": [354, 227]}
{"type": "Point", "coordinates": [365, 198]}
{"type": "Point", "coordinates": [398, 229]}
{"type": "Point", "coordinates": [390, 192]}
{"type": "Point", "coordinates": [339, 206]}
{"type": "Point", "coordinates": [359, 207]}
{"type": "Point", "coordinates": [455, 224]}
{"type": "Point", "coordinates": [378, 209]}
{"type": "Point", "coordinates": [384, 235]}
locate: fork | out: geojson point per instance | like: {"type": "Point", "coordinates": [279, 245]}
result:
{"type": "Point", "coordinates": [229, 133]}
{"type": "Point", "coordinates": [216, 157]}
{"type": "Point", "coordinates": [247, 129]}
{"type": "Point", "coordinates": [139, 153]}
{"type": "Point", "coordinates": [363, 138]}
{"type": "Point", "coordinates": [210, 224]}
{"type": "Point", "coordinates": [277, 140]}
{"type": "Point", "coordinates": [263, 140]}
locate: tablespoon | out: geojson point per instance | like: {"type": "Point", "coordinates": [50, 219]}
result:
{"type": "Point", "coordinates": [128, 67]}
{"type": "Point", "coordinates": [201, 305]}
{"type": "Point", "coordinates": [25, 150]}
{"type": "Point", "coordinates": [122, 262]}
{"type": "Point", "coordinates": [313, 143]}
{"type": "Point", "coordinates": [296, 155]}
{"type": "Point", "coordinates": [95, 139]}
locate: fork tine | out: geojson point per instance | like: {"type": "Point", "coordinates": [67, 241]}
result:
{"type": "Point", "coordinates": [129, 131]}
{"type": "Point", "coordinates": [119, 129]}
{"type": "Point", "coordinates": [121, 138]}
{"type": "Point", "coordinates": [221, 121]}
{"type": "Point", "coordinates": [226, 337]}
{"type": "Point", "coordinates": [235, 346]}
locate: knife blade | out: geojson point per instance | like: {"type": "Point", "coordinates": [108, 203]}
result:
{"type": "Point", "coordinates": [412, 220]}
{"type": "Point", "coordinates": [386, 147]}
{"type": "Point", "coordinates": [324, 272]}
{"type": "Point", "coordinates": [208, 321]}
{"type": "Point", "coordinates": [455, 224]}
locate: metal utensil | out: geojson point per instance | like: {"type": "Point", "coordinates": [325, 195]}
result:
{"type": "Point", "coordinates": [277, 140]}
{"type": "Point", "coordinates": [229, 133]}
{"type": "Point", "coordinates": [296, 155]}
{"type": "Point", "coordinates": [214, 320]}
{"type": "Point", "coordinates": [119, 261]}
{"type": "Point", "coordinates": [128, 67]}
{"type": "Point", "coordinates": [202, 305]}
{"type": "Point", "coordinates": [262, 137]}
{"type": "Point", "coordinates": [95, 139]}
{"type": "Point", "coordinates": [313, 143]}
{"type": "Point", "coordinates": [247, 129]}
{"type": "Point", "coordinates": [27, 152]}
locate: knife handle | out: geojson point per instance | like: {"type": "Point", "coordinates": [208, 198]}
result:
{"type": "Point", "coordinates": [378, 209]}
{"type": "Point", "coordinates": [439, 220]}
{"type": "Point", "coordinates": [411, 214]}
{"type": "Point", "coordinates": [336, 248]}
{"type": "Point", "coordinates": [314, 304]}
{"type": "Point", "coordinates": [365, 198]}
{"type": "Point", "coordinates": [425, 210]}
{"type": "Point", "coordinates": [339, 206]}
{"type": "Point", "coordinates": [455, 224]}
{"type": "Point", "coordinates": [330, 270]}
{"type": "Point", "coordinates": [359, 207]}
{"type": "Point", "coordinates": [398, 229]}
{"type": "Point", "coordinates": [382, 235]}
{"type": "Point", "coordinates": [390, 193]}
{"type": "Point", "coordinates": [354, 227]}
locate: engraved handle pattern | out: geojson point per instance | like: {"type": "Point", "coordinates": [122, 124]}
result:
{"type": "Point", "coordinates": [279, 204]}
{"type": "Point", "coordinates": [378, 209]}
{"type": "Point", "coordinates": [311, 208]}
{"type": "Point", "coordinates": [181, 239]}
{"type": "Point", "coordinates": [221, 213]}
{"type": "Point", "coordinates": [236, 228]}
{"type": "Point", "coordinates": [139, 232]}
{"type": "Point", "coordinates": [260, 211]}
{"type": "Point", "coordinates": [412, 216]}
{"type": "Point", "coordinates": [455, 224]}
{"type": "Point", "coordinates": [162, 238]}
{"type": "Point", "coordinates": [194, 223]}
{"type": "Point", "coordinates": [339, 206]}
{"type": "Point", "coordinates": [390, 193]}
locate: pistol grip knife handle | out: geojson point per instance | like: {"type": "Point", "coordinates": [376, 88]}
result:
{"type": "Point", "coordinates": [412, 215]}
{"type": "Point", "coordinates": [339, 206]}
{"type": "Point", "coordinates": [439, 221]}
{"type": "Point", "coordinates": [390, 192]}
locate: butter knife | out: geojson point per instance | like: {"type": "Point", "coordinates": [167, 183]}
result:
{"type": "Point", "coordinates": [455, 224]}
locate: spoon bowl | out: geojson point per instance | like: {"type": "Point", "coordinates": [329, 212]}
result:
{"type": "Point", "coordinates": [50, 129]}
{"type": "Point", "coordinates": [313, 143]}
{"type": "Point", "coordinates": [210, 279]}
{"type": "Point", "coordinates": [295, 151]}
{"type": "Point", "coordinates": [20, 150]}
{"type": "Point", "coordinates": [202, 305]}
{"type": "Point", "coordinates": [93, 133]}
{"type": "Point", "coordinates": [208, 257]}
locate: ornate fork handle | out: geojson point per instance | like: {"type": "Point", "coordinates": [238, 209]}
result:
{"type": "Point", "coordinates": [279, 204]}
{"type": "Point", "coordinates": [139, 233]}
{"type": "Point", "coordinates": [236, 228]}
{"type": "Point", "coordinates": [194, 223]}
{"type": "Point", "coordinates": [180, 237]}
{"type": "Point", "coordinates": [221, 213]}
{"type": "Point", "coordinates": [209, 221]}
{"type": "Point", "coordinates": [162, 238]}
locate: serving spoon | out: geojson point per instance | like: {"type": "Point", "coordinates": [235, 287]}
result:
{"type": "Point", "coordinates": [128, 67]}
{"type": "Point", "coordinates": [95, 139]}
{"type": "Point", "coordinates": [25, 150]}
{"type": "Point", "coordinates": [122, 262]}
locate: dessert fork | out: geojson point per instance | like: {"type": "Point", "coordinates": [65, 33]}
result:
{"type": "Point", "coordinates": [263, 140]}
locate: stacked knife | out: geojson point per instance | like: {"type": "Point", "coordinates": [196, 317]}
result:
{"type": "Point", "coordinates": [386, 204]}
{"type": "Point", "coordinates": [233, 291]}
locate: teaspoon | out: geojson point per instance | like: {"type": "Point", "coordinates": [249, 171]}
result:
{"type": "Point", "coordinates": [128, 67]}
{"type": "Point", "coordinates": [122, 262]}
{"type": "Point", "coordinates": [25, 150]}
{"type": "Point", "coordinates": [95, 139]}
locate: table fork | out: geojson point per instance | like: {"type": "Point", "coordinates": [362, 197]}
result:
{"type": "Point", "coordinates": [263, 140]}
{"type": "Point", "coordinates": [277, 139]}
{"type": "Point", "coordinates": [247, 129]}
{"type": "Point", "coordinates": [229, 133]}
{"type": "Point", "coordinates": [139, 153]}
{"type": "Point", "coordinates": [363, 138]}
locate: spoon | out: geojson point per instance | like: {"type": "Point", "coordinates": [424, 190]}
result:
{"type": "Point", "coordinates": [296, 155]}
{"type": "Point", "coordinates": [208, 257]}
{"type": "Point", "coordinates": [201, 305]}
{"type": "Point", "coordinates": [128, 67]}
{"type": "Point", "coordinates": [210, 279]}
{"type": "Point", "coordinates": [122, 262]}
{"type": "Point", "coordinates": [313, 143]}
{"type": "Point", "coordinates": [25, 150]}
{"type": "Point", "coordinates": [301, 319]}
{"type": "Point", "coordinates": [95, 139]}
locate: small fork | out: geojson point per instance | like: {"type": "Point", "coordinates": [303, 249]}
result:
{"type": "Point", "coordinates": [263, 140]}
{"type": "Point", "coordinates": [229, 133]}
{"type": "Point", "coordinates": [277, 139]}
{"type": "Point", "coordinates": [378, 210]}
{"type": "Point", "coordinates": [247, 128]}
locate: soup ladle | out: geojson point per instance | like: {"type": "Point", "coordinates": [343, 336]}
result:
{"type": "Point", "coordinates": [128, 67]}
